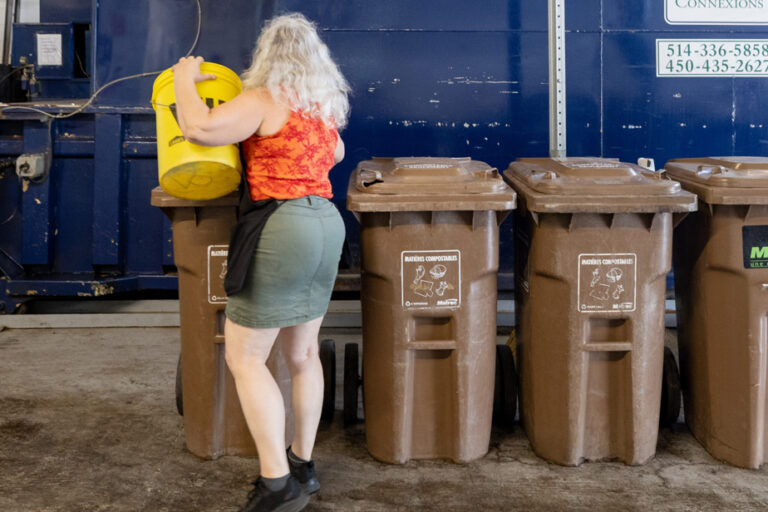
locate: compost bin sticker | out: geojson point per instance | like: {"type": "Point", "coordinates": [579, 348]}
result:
{"type": "Point", "coordinates": [430, 279]}
{"type": "Point", "coordinates": [607, 282]}
{"type": "Point", "coordinates": [217, 269]}
{"type": "Point", "coordinates": [754, 240]}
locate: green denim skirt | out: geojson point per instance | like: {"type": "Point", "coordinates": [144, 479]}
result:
{"type": "Point", "coordinates": [293, 270]}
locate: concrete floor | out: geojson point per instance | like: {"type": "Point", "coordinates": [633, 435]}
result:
{"type": "Point", "coordinates": [88, 423]}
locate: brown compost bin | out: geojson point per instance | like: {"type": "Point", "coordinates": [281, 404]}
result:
{"type": "Point", "coordinates": [214, 424]}
{"type": "Point", "coordinates": [593, 241]}
{"type": "Point", "coordinates": [429, 243]}
{"type": "Point", "coordinates": [721, 283]}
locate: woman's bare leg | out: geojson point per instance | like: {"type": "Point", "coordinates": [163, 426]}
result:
{"type": "Point", "coordinates": [300, 348]}
{"type": "Point", "coordinates": [247, 351]}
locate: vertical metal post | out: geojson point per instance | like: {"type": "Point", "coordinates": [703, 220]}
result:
{"type": "Point", "coordinates": [557, 115]}
{"type": "Point", "coordinates": [11, 10]}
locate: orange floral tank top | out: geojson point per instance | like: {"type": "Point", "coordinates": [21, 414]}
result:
{"type": "Point", "coordinates": [292, 163]}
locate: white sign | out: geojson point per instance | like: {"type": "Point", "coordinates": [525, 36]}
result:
{"type": "Point", "coordinates": [217, 271]}
{"type": "Point", "coordinates": [607, 283]}
{"type": "Point", "coordinates": [716, 12]}
{"type": "Point", "coordinates": [49, 50]}
{"type": "Point", "coordinates": [711, 57]}
{"type": "Point", "coordinates": [430, 279]}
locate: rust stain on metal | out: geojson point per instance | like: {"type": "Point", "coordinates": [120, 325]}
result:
{"type": "Point", "coordinates": [100, 289]}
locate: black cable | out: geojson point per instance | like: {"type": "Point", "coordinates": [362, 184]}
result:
{"type": "Point", "coordinates": [80, 64]}
{"type": "Point", "coordinates": [8, 75]}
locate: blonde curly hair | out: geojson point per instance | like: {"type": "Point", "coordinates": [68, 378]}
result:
{"type": "Point", "coordinates": [293, 63]}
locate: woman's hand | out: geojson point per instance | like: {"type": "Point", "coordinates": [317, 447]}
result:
{"type": "Point", "coordinates": [188, 68]}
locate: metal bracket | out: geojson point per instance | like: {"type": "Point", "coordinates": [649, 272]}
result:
{"type": "Point", "coordinates": [31, 166]}
{"type": "Point", "coordinates": [35, 164]}
{"type": "Point", "coordinates": [9, 267]}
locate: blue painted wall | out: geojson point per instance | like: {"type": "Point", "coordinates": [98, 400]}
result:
{"type": "Point", "coordinates": [65, 11]}
{"type": "Point", "coordinates": [429, 78]}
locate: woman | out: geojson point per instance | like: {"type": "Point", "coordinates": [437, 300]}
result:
{"type": "Point", "coordinates": [293, 102]}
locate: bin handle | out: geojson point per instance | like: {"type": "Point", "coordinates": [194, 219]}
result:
{"type": "Point", "coordinates": [368, 177]}
{"type": "Point", "coordinates": [711, 169]}
{"type": "Point", "coordinates": [489, 174]}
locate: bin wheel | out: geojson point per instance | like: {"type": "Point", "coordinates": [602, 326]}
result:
{"type": "Point", "coordinates": [505, 390]}
{"type": "Point", "coordinates": [328, 361]}
{"type": "Point", "coordinates": [670, 391]}
{"type": "Point", "coordinates": [179, 389]}
{"type": "Point", "coordinates": [351, 383]}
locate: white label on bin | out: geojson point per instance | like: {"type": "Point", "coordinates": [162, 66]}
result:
{"type": "Point", "coordinates": [217, 269]}
{"type": "Point", "coordinates": [607, 282]}
{"type": "Point", "coordinates": [430, 279]}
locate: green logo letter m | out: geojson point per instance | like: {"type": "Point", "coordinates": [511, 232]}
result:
{"type": "Point", "coordinates": [759, 253]}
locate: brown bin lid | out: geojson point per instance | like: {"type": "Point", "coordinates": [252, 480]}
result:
{"type": "Point", "coordinates": [163, 199]}
{"type": "Point", "coordinates": [598, 185]}
{"type": "Point", "coordinates": [723, 180]}
{"type": "Point", "coordinates": [427, 184]}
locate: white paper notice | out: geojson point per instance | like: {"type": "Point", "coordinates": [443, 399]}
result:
{"type": "Point", "coordinates": [716, 12]}
{"type": "Point", "coordinates": [49, 50]}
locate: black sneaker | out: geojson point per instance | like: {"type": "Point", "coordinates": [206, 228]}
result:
{"type": "Point", "coordinates": [290, 498]}
{"type": "Point", "coordinates": [304, 472]}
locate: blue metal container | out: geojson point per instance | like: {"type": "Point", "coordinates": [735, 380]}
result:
{"type": "Point", "coordinates": [431, 78]}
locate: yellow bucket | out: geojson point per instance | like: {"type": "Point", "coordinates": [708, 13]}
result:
{"type": "Point", "coordinates": [187, 170]}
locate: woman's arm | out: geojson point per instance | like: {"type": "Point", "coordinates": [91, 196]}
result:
{"type": "Point", "coordinates": [227, 123]}
{"type": "Point", "coordinates": [338, 154]}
